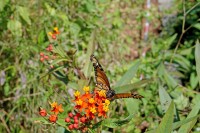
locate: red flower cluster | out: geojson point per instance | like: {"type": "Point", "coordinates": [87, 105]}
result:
{"type": "Point", "coordinates": [76, 121]}
{"type": "Point", "coordinates": [56, 109]}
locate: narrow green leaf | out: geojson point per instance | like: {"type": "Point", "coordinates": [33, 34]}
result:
{"type": "Point", "coordinates": [41, 37]}
{"type": "Point", "coordinates": [166, 124]}
{"type": "Point", "coordinates": [170, 40]}
{"type": "Point", "coordinates": [163, 73]}
{"type": "Point", "coordinates": [186, 128]}
{"type": "Point", "coordinates": [24, 13]}
{"type": "Point", "coordinates": [112, 123]}
{"type": "Point", "coordinates": [91, 130]}
{"type": "Point", "coordinates": [56, 61]}
{"type": "Point", "coordinates": [197, 59]}
{"type": "Point", "coordinates": [180, 123]}
{"type": "Point", "coordinates": [165, 99]}
{"type": "Point", "coordinates": [129, 87]}
{"type": "Point", "coordinates": [128, 76]}
{"type": "Point", "coordinates": [90, 49]}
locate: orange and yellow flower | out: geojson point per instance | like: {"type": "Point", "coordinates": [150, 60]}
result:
{"type": "Point", "coordinates": [56, 108]}
{"type": "Point", "coordinates": [92, 104]}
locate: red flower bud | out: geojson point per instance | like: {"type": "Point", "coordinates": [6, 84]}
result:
{"type": "Point", "coordinates": [71, 126]}
{"type": "Point", "coordinates": [78, 115]}
{"type": "Point", "coordinates": [42, 59]}
{"type": "Point", "coordinates": [51, 66]}
{"type": "Point", "coordinates": [43, 112]}
{"type": "Point", "coordinates": [75, 117]}
{"type": "Point", "coordinates": [83, 119]}
{"type": "Point", "coordinates": [46, 57]}
{"type": "Point", "coordinates": [75, 126]}
{"type": "Point", "coordinates": [53, 36]}
{"type": "Point", "coordinates": [76, 121]}
{"type": "Point", "coordinates": [53, 118]}
{"type": "Point", "coordinates": [41, 54]}
{"type": "Point", "coordinates": [70, 114]}
{"type": "Point", "coordinates": [67, 119]}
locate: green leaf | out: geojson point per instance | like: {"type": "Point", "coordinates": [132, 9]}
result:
{"type": "Point", "coordinates": [180, 123]}
{"type": "Point", "coordinates": [62, 130]}
{"type": "Point", "coordinates": [56, 61]}
{"type": "Point", "coordinates": [165, 101]}
{"type": "Point", "coordinates": [112, 123]}
{"type": "Point", "coordinates": [170, 40]}
{"type": "Point", "coordinates": [41, 37]}
{"type": "Point", "coordinates": [15, 27]}
{"type": "Point", "coordinates": [128, 76]}
{"type": "Point", "coordinates": [163, 73]}
{"type": "Point", "coordinates": [129, 87]}
{"type": "Point", "coordinates": [132, 105]}
{"type": "Point", "coordinates": [90, 49]}
{"type": "Point", "coordinates": [186, 128]}
{"type": "Point", "coordinates": [74, 29]}
{"type": "Point", "coordinates": [6, 89]}
{"type": "Point", "coordinates": [3, 4]}
{"type": "Point", "coordinates": [166, 124]}
{"type": "Point", "coordinates": [197, 59]}
{"type": "Point", "coordinates": [50, 10]}
{"type": "Point", "coordinates": [193, 80]}
{"type": "Point", "coordinates": [24, 13]}
{"type": "Point", "coordinates": [197, 25]}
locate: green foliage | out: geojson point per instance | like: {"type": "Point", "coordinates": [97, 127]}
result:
{"type": "Point", "coordinates": [167, 72]}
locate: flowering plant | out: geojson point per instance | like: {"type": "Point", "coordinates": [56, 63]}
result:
{"type": "Point", "coordinates": [88, 109]}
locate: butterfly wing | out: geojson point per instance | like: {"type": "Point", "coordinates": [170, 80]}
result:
{"type": "Point", "coordinates": [100, 76]}
{"type": "Point", "coordinates": [103, 83]}
{"type": "Point", "coordinates": [126, 95]}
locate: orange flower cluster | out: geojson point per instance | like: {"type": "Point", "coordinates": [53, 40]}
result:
{"type": "Point", "coordinates": [55, 108]}
{"type": "Point", "coordinates": [88, 106]}
{"type": "Point", "coordinates": [92, 104]}
{"type": "Point", "coordinates": [54, 33]}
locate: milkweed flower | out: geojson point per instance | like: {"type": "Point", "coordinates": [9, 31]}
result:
{"type": "Point", "coordinates": [53, 118]}
{"type": "Point", "coordinates": [87, 108]}
{"type": "Point", "coordinates": [54, 33]}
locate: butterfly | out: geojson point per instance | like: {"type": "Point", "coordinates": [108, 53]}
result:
{"type": "Point", "coordinates": [102, 82]}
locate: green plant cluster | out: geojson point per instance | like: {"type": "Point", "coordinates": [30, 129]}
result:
{"type": "Point", "coordinates": [165, 69]}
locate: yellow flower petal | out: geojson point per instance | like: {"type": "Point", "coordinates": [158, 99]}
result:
{"type": "Point", "coordinates": [55, 29]}
{"type": "Point", "coordinates": [86, 88]}
{"type": "Point", "coordinates": [102, 93]}
{"type": "Point", "coordinates": [77, 93]}
{"type": "Point", "coordinates": [105, 108]}
{"type": "Point", "coordinates": [50, 33]}
{"type": "Point", "coordinates": [91, 100]}
{"type": "Point", "coordinates": [79, 102]}
{"type": "Point", "coordinates": [54, 104]}
{"type": "Point", "coordinates": [93, 110]}
{"type": "Point", "coordinates": [107, 102]}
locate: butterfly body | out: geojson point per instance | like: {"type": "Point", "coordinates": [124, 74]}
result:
{"type": "Point", "coordinates": [103, 83]}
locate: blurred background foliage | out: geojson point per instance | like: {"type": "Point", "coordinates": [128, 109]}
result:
{"type": "Point", "coordinates": [161, 66]}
